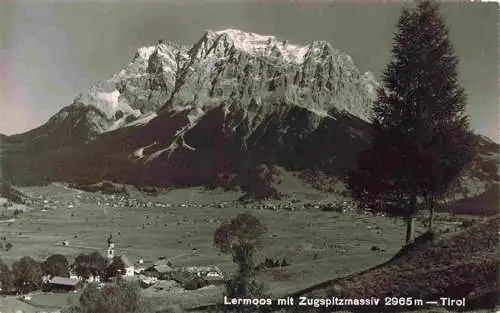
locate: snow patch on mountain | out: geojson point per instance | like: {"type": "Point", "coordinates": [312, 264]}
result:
{"type": "Point", "coordinates": [262, 45]}
{"type": "Point", "coordinates": [249, 71]}
{"type": "Point", "coordinates": [143, 120]}
{"type": "Point", "coordinates": [108, 102]}
{"type": "Point", "coordinates": [259, 72]}
{"type": "Point", "coordinates": [194, 115]}
{"type": "Point", "coordinates": [140, 88]}
{"type": "Point", "coordinates": [144, 53]}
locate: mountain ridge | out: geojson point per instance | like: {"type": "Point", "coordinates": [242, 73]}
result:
{"type": "Point", "coordinates": [146, 84]}
{"type": "Point", "coordinates": [188, 115]}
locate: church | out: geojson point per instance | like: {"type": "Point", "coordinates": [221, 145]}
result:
{"type": "Point", "coordinates": [129, 267]}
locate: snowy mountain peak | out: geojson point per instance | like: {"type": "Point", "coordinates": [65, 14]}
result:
{"type": "Point", "coordinates": [144, 53]}
{"type": "Point", "coordinates": [267, 46]}
{"type": "Point", "coordinates": [258, 69]}
{"type": "Point", "coordinates": [243, 39]}
{"type": "Point", "coordinates": [142, 87]}
{"type": "Point", "coordinates": [258, 45]}
{"type": "Point", "coordinates": [203, 115]}
{"type": "Point", "coordinates": [232, 66]}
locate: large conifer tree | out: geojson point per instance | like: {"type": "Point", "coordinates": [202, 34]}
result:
{"type": "Point", "coordinates": [421, 137]}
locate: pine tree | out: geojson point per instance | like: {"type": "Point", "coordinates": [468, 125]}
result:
{"type": "Point", "coordinates": [421, 136]}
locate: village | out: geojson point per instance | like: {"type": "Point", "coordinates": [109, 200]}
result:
{"type": "Point", "coordinates": [60, 278]}
{"type": "Point", "coordinates": [70, 272]}
{"type": "Point", "coordinates": [147, 273]}
{"type": "Point", "coordinates": [66, 263]}
{"type": "Point", "coordinates": [94, 268]}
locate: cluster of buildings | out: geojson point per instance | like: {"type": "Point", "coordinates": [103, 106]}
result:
{"type": "Point", "coordinates": [13, 194]}
{"type": "Point", "coordinates": [147, 275]}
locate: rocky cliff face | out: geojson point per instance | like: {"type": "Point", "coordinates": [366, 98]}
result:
{"type": "Point", "coordinates": [142, 86]}
{"type": "Point", "coordinates": [272, 94]}
{"type": "Point", "coordinates": [259, 72]}
{"type": "Point", "coordinates": [196, 115]}
{"type": "Point", "coordinates": [255, 73]}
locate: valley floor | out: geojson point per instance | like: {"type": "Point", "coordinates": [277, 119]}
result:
{"type": "Point", "coordinates": [179, 226]}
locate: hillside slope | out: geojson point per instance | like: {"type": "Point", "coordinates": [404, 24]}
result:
{"type": "Point", "coordinates": [462, 265]}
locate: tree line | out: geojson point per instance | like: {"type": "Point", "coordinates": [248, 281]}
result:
{"type": "Point", "coordinates": [27, 274]}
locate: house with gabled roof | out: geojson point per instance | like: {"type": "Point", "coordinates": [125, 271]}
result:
{"type": "Point", "coordinates": [129, 267]}
{"type": "Point", "coordinates": [211, 274]}
{"type": "Point", "coordinates": [162, 269]}
{"type": "Point", "coordinates": [58, 283]}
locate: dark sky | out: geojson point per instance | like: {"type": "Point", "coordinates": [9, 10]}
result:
{"type": "Point", "coordinates": [51, 51]}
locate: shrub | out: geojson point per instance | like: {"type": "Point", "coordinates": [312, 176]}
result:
{"type": "Point", "coordinates": [17, 212]}
{"type": "Point", "coordinates": [467, 223]}
{"type": "Point", "coordinates": [121, 297]}
{"type": "Point", "coordinates": [195, 283]}
{"type": "Point", "coordinates": [8, 246]}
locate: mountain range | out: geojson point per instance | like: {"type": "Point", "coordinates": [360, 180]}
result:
{"type": "Point", "coordinates": [203, 115]}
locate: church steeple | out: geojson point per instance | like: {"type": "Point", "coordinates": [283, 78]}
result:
{"type": "Point", "coordinates": [111, 247]}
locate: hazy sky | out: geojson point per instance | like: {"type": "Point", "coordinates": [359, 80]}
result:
{"type": "Point", "coordinates": [51, 51]}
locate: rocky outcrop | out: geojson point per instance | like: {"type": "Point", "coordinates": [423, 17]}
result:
{"type": "Point", "coordinates": [207, 113]}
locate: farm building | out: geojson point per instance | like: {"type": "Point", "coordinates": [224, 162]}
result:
{"type": "Point", "coordinates": [140, 266]}
{"type": "Point", "coordinates": [58, 283]}
{"type": "Point", "coordinates": [146, 282]}
{"type": "Point", "coordinates": [129, 267]}
{"type": "Point", "coordinates": [211, 274]}
{"type": "Point", "coordinates": [214, 278]}
{"type": "Point", "coordinates": [160, 270]}
{"type": "Point", "coordinates": [91, 279]}
{"type": "Point", "coordinates": [203, 271]}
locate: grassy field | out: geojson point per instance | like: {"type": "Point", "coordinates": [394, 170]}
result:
{"type": "Point", "coordinates": [179, 225]}
{"type": "Point", "coordinates": [40, 302]}
{"type": "Point", "coordinates": [465, 265]}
